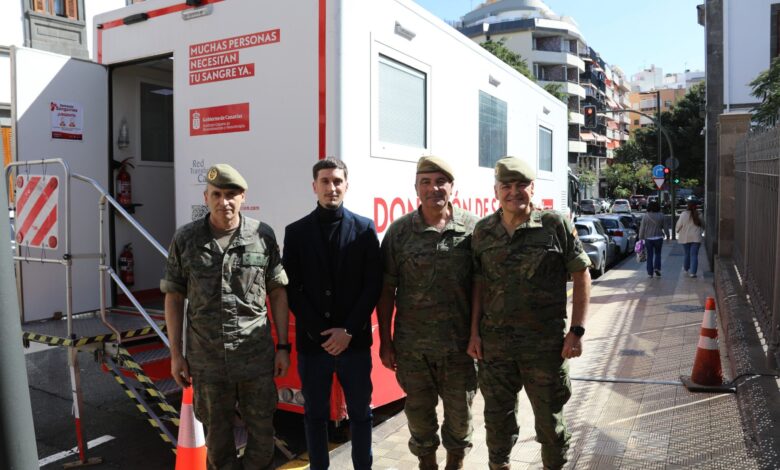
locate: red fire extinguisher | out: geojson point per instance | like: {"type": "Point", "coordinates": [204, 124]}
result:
{"type": "Point", "coordinates": [126, 263]}
{"type": "Point", "coordinates": [124, 189]}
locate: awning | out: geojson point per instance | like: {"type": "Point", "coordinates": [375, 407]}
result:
{"type": "Point", "coordinates": [612, 125]}
{"type": "Point", "coordinates": [613, 144]}
{"type": "Point", "coordinates": [601, 138]}
{"type": "Point", "coordinates": [587, 136]}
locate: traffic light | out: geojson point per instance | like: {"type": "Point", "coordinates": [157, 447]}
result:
{"type": "Point", "coordinates": [676, 180]}
{"type": "Point", "coordinates": [666, 172]}
{"type": "Point", "coordinates": [590, 116]}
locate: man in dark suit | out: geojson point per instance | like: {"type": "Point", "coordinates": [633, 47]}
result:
{"type": "Point", "coordinates": [332, 259]}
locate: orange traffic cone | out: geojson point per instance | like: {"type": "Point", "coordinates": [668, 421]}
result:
{"type": "Point", "coordinates": [707, 374]}
{"type": "Point", "coordinates": [191, 447]}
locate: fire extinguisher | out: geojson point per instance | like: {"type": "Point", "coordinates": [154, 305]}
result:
{"type": "Point", "coordinates": [124, 189]}
{"type": "Point", "coordinates": [126, 263]}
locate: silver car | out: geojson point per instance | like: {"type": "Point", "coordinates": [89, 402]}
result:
{"type": "Point", "coordinates": [597, 244]}
{"type": "Point", "coordinates": [624, 237]}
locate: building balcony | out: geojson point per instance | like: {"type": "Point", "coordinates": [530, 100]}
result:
{"type": "Point", "coordinates": [576, 118]}
{"type": "Point", "coordinates": [567, 87]}
{"type": "Point", "coordinates": [576, 146]}
{"type": "Point", "coordinates": [558, 58]}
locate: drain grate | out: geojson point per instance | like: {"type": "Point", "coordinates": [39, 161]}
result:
{"type": "Point", "coordinates": [632, 352]}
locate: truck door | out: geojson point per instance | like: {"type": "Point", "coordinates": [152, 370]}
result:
{"type": "Point", "coordinates": [60, 110]}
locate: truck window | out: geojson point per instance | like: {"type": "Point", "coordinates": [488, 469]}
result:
{"type": "Point", "coordinates": [545, 149]}
{"type": "Point", "coordinates": [492, 129]}
{"type": "Point", "coordinates": [156, 123]}
{"type": "Point", "coordinates": [402, 104]}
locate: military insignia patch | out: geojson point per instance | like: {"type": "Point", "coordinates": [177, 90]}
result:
{"type": "Point", "coordinates": [212, 174]}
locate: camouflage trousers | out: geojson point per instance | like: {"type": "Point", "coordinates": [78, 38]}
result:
{"type": "Point", "coordinates": [545, 376]}
{"type": "Point", "coordinates": [425, 378]}
{"type": "Point", "coordinates": [214, 405]}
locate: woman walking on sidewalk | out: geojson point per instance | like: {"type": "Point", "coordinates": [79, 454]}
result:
{"type": "Point", "coordinates": [689, 227]}
{"type": "Point", "coordinates": [653, 232]}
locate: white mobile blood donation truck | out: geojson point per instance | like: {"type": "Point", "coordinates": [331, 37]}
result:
{"type": "Point", "coordinates": [269, 87]}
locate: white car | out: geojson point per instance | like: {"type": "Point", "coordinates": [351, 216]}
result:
{"type": "Point", "coordinates": [621, 206]}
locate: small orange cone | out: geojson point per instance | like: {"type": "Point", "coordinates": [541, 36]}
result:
{"type": "Point", "coordinates": [707, 374]}
{"type": "Point", "coordinates": [191, 447]}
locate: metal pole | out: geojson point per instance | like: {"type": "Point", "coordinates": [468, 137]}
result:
{"type": "Point", "coordinates": [658, 132]}
{"type": "Point", "coordinates": [18, 450]}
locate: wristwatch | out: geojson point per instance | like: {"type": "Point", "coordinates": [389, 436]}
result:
{"type": "Point", "coordinates": [577, 331]}
{"type": "Point", "coordinates": [284, 347]}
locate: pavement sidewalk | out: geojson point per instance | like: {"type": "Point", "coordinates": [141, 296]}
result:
{"type": "Point", "coordinates": [640, 329]}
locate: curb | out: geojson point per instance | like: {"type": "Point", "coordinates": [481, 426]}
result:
{"type": "Point", "coordinates": [758, 396]}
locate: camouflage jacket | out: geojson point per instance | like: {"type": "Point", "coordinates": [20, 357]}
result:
{"type": "Point", "coordinates": [432, 275]}
{"type": "Point", "coordinates": [524, 280]}
{"type": "Point", "coordinates": [228, 333]}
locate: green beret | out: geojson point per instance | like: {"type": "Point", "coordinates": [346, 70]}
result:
{"type": "Point", "coordinates": [224, 176]}
{"type": "Point", "coordinates": [431, 164]}
{"type": "Point", "coordinates": [514, 169]}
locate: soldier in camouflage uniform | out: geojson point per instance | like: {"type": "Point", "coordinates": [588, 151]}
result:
{"type": "Point", "coordinates": [225, 264]}
{"type": "Point", "coordinates": [427, 262]}
{"type": "Point", "coordinates": [522, 258]}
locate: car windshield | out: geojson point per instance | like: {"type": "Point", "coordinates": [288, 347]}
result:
{"type": "Point", "coordinates": [610, 223]}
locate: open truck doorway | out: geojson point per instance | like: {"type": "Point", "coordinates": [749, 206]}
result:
{"type": "Point", "coordinates": [142, 117]}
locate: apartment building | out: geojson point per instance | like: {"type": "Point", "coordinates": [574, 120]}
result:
{"type": "Point", "coordinates": [557, 52]}
{"type": "Point", "coordinates": [647, 102]}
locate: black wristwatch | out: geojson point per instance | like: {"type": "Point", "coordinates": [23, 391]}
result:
{"type": "Point", "coordinates": [578, 331]}
{"type": "Point", "coordinates": [284, 347]}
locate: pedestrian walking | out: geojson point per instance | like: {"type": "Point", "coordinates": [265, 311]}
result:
{"type": "Point", "coordinates": [332, 259]}
{"type": "Point", "coordinates": [427, 264]}
{"type": "Point", "coordinates": [225, 265]}
{"type": "Point", "coordinates": [522, 259]}
{"type": "Point", "coordinates": [653, 230]}
{"type": "Point", "coordinates": [689, 229]}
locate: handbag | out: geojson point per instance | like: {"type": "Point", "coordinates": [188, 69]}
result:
{"type": "Point", "coordinates": [641, 253]}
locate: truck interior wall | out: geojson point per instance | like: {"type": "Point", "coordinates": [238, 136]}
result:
{"type": "Point", "coordinates": [152, 181]}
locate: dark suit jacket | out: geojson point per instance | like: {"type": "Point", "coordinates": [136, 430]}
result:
{"type": "Point", "coordinates": [320, 301]}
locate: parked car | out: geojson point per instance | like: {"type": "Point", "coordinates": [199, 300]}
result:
{"type": "Point", "coordinates": [621, 206]}
{"type": "Point", "coordinates": [598, 245]}
{"type": "Point", "coordinates": [623, 236]}
{"type": "Point", "coordinates": [638, 201]}
{"type": "Point", "coordinates": [589, 206]}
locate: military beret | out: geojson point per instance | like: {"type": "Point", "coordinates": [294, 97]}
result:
{"type": "Point", "coordinates": [431, 164]}
{"type": "Point", "coordinates": [514, 169]}
{"type": "Point", "coordinates": [224, 176]}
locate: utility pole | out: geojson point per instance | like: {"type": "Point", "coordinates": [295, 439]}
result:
{"type": "Point", "coordinates": [18, 450]}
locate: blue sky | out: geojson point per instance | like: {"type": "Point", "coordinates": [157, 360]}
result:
{"type": "Point", "coordinates": [630, 33]}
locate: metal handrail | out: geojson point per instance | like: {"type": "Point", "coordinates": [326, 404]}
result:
{"type": "Point", "coordinates": [103, 267]}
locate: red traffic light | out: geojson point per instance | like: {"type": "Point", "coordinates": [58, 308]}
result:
{"type": "Point", "coordinates": [666, 171]}
{"type": "Point", "coordinates": [588, 110]}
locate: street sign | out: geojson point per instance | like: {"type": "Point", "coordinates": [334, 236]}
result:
{"type": "Point", "coordinates": [659, 182]}
{"type": "Point", "coordinates": [658, 171]}
{"type": "Point", "coordinates": [672, 163]}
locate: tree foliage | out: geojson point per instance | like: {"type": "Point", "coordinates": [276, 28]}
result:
{"type": "Point", "coordinates": [587, 177]}
{"type": "Point", "coordinates": [517, 62]}
{"type": "Point", "coordinates": [684, 123]}
{"type": "Point", "coordinates": [628, 177]}
{"type": "Point", "coordinates": [766, 87]}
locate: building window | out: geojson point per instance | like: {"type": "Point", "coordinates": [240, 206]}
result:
{"type": "Point", "coordinates": [63, 8]}
{"type": "Point", "coordinates": [402, 104]}
{"type": "Point", "coordinates": [156, 123]}
{"type": "Point", "coordinates": [545, 149]}
{"type": "Point", "coordinates": [492, 129]}
{"type": "Point", "coordinates": [667, 104]}
{"type": "Point", "coordinates": [636, 122]}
